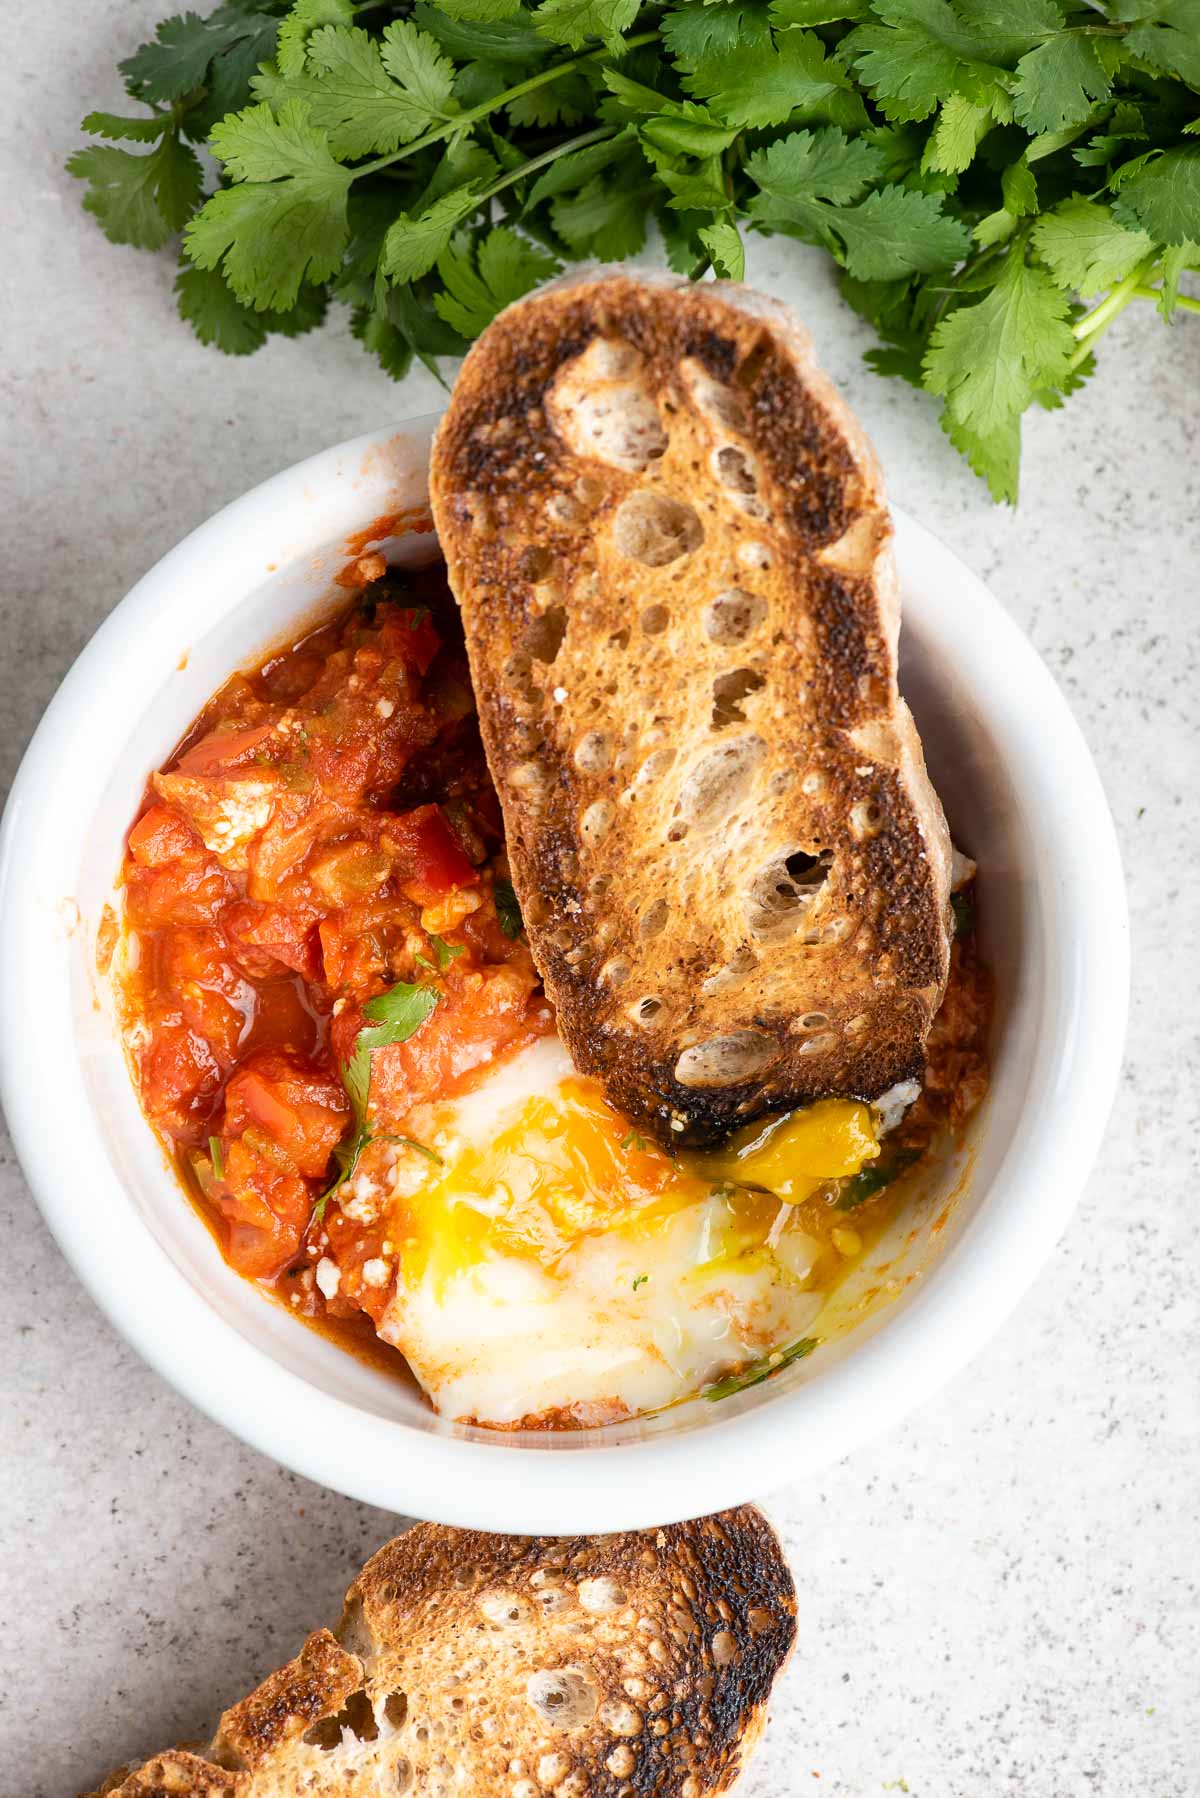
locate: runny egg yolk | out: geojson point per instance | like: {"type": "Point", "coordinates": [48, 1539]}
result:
{"type": "Point", "coordinates": [795, 1154]}
{"type": "Point", "coordinates": [566, 1167]}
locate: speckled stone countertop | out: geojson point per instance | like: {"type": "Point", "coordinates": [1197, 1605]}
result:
{"type": "Point", "coordinates": [999, 1597]}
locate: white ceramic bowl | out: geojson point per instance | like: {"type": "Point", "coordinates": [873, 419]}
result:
{"type": "Point", "coordinates": [1023, 798]}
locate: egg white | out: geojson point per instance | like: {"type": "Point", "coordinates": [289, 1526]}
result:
{"type": "Point", "coordinates": [621, 1324]}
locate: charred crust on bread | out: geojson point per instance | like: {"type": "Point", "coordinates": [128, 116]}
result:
{"type": "Point", "coordinates": [621, 459]}
{"type": "Point", "coordinates": [619, 1666]}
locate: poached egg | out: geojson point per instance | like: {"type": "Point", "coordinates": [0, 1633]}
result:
{"type": "Point", "coordinates": [553, 1268]}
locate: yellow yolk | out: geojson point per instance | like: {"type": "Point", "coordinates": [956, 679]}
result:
{"type": "Point", "coordinates": [568, 1167]}
{"type": "Point", "coordinates": [794, 1155]}
{"type": "Point", "coordinates": [564, 1168]}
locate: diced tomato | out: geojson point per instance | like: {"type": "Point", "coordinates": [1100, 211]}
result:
{"type": "Point", "coordinates": [179, 1075]}
{"type": "Point", "coordinates": [266, 1206]}
{"type": "Point", "coordinates": [480, 1013]}
{"type": "Point", "coordinates": [188, 890]}
{"type": "Point", "coordinates": [268, 937]}
{"type": "Point", "coordinates": [438, 862]}
{"type": "Point", "coordinates": [162, 835]}
{"type": "Point", "coordinates": [301, 1108]}
{"type": "Point", "coordinates": [221, 748]}
{"type": "Point", "coordinates": [409, 633]}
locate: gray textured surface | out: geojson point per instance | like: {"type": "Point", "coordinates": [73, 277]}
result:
{"type": "Point", "coordinates": [1000, 1597]}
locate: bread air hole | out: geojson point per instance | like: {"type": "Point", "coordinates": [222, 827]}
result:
{"type": "Point", "coordinates": [601, 407]}
{"type": "Point", "coordinates": [594, 752]}
{"type": "Point", "coordinates": [654, 620]}
{"type": "Point", "coordinates": [654, 919]}
{"type": "Point", "coordinates": [565, 1697]}
{"type": "Point", "coordinates": [544, 634]}
{"type": "Point", "coordinates": [356, 1718]}
{"type": "Point", "coordinates": [654, 529]}
{"type": "Point", "coordinates": [535, 563]}
{"type": "Point", "coordinates": [735, 469]}
{"type": "Point", "coordinates": [727, 1060]}
{"type": "Point", "coordinates": [602, 1596]}
{"type": "Point", "coordinates": [733, 616]}
{"type": "Point", "coordinates": [782, 892]}
{"type": "Point", "coordinates": [719, 780]}
{"type": "Point", "coordinates": [866, 820]}
{"type": "Point", "coordinates": [644, 1011]}
{"type": "Point", "coordinates": [728, 692]}
{"type": "Point", "coordinates": [719, 404]}
{"type": "Point", "coordinates": [737, 970]}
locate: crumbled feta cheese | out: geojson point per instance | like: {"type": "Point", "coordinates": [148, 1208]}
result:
{"type": "Point", "coordinates": [962, 869]}
{"type": "Point", "coordinates": [329, 1276]}
{"type": "Point", "coordinates": [437, 919]}
{"type": "Point", "coordinates": [385, 707]}
{"type": "Point", "coordinates": [376, 1272]}
{"type": "Point", "coordinates": [891, 1106]}
{"type": "Point", "coordinates": [228, 814]}
{"type": "Point", "coordinates": [560, 693]}
{"type": "Point", "coordinates": [362, 1207]}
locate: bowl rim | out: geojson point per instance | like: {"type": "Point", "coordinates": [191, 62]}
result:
{"type": "Point", "coordinates": [666, 1477]}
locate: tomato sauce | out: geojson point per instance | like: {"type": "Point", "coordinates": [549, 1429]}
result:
{"type": "Point", "coordinates": [325, 834]}
{"type": "Point", "coordinates": [327, 829]}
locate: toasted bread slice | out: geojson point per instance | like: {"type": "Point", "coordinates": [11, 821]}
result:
{"type": "Point", "coordinates": [480, 1665]}
{"type": "Point", "coordinates": [669, 541]}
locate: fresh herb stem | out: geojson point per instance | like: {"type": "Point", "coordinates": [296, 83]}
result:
{"type": "Point", "coordinates": [462, 121]}
{"type": "Point", "coordinates": [1183, 301]}
{"type": "Point", "coordinates": [546, 158]}
{"type": "Point", "coordinates": [1096, 322]}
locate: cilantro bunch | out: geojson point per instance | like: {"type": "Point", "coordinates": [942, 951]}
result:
{"type": "Point", "coordinates": [996, 179]}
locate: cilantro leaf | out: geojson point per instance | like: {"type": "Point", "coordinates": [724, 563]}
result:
{"type": "Point", "coordinates": [700, 37]}
{"type": "Point", "coordinates": [687, 130]}
{"type": "Point", "coordinates": [508, 908]}
{"type": "Point", "coordinates": [216, 315]}
{"type": "Point", "coordinates": [508, 266]}
{"type": "Point", "coordinates": [988, 359]}
{"type": "Point", "coordinates": [1163, 197]}
{"type": "Point", "coordinates": [1085, 248]}
{"type": "Point", "coordinates": [894, 232]}
{"type": "Point", "coordinates": [444, 953]}
{"type": "Point", "coordinates": [142, 200]}
{"type": "Point", "coordinates": [286, 222]}
{"type": "Point", "coordinates": [576, 168]}
{"type": "Point", "coordinates": [766, 84]}
{"type": "Point", "coordinates": [303, 19]}
{"type": "Point", "coordinates": [758, 1371]}
{"type": "Point", "coordinates": [725, 247]}
{"type": "Point", "coordinates": [1018, 184]}
{"type": "Point", "coordinates": [500, 42]}
{"type": "Point", "coordinates": [1166, 36]}
{"type": "Point", "coordinates": [395, 1015]}
{"type": "Point", "coordinates": [807, 13]}
{"type": "Point", "coordinates": [367, 95]}
{"type": "Point", "coordinates": [143, 131]}
{"type": "Point", "coordinates": [960, 128]}
{"type": "Point", "coordinates": [484, 12]}
{"type": "Point", "coordinates": [176, 62]}
{"type": "Point", "coordinates": [815, 165]}
{"type": "Point", "coordinates": [561, 101]}
{"type": "Point", "coordinates": [1058, 83]}
{"type": "Point", "coordinates": [413, 245]}
{"type": "Point", "coordinates": [1176, 258]}
{"type": "Point", "coordinates": [606, 218]}
{"type": "Point", "coordinates": [917, 53]}
{"type": "Point", "coordinates": [576, 22]}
